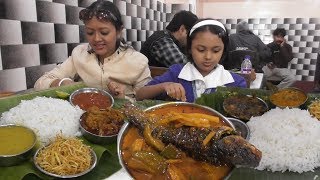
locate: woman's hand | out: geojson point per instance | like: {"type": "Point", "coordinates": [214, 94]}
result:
{"type": "Point", "coordinates": [175, 90]}
{"type": "Point", "coordinates": [116, 89]}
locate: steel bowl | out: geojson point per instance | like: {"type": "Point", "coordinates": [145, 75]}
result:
{"type": "Point", "coordinates": [123, 131]}
{"type": "Point", "coordinates": [94, 138]}
{"type": "Point", "coordinates": [93, 164]}
{"type": "Point", "coordinates": [241, 127]}
{"type": "Point", "coordinates": [15, 159]}
{"type": "Point", "coordinates": [90, 90]}
{"type": "Point", "coordinates": [293, 89]}
{"type": "Point", "coordinates": [236, 115]}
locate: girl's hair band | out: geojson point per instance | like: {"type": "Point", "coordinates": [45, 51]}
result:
{"type": "Point", "coordinates": [206, 22]}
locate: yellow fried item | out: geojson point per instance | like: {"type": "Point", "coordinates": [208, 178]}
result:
{"type": "Point", "coordinates": [189, 119]}
{"type": "Point", "coordinates": [314, 109]}
{"type": "Point", "coordinates": [65, 156]}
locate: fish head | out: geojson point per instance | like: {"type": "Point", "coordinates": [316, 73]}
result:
{"type": "Point", "coordinates": [239, 152]}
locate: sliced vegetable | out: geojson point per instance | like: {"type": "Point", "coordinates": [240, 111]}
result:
{"type": "Point", "coordinates": [137, 145]}
{"type": "Point", "coordinates": [153, 160]}
{"type": "Point", "coordinates": [208, 138]}
{"type": "Point", "coordinates": [156, 143]}
{"type": "Point", "coordinates": [171, 152]}
{"type": "Point", "coordinates": [175, 173]}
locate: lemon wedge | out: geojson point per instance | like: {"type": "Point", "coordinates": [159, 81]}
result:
{"type": "Point", "coordinates": [62, 95]}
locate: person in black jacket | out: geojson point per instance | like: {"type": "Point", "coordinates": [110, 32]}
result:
{"type": "Point", "coordinates": [277, 69]}
{"type": "Point", "coordinates": [245, 39]}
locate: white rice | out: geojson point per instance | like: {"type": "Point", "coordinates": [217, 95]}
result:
{"type": "Point", "coordinates": [46, 116]}
{"type": "Point", "coordinates": [288, 138]}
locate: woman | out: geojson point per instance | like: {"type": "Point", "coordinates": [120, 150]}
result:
{"type": "Point", "coordinates": [106, 62]}
{"type": "Point", "coordinates": [206, 45]}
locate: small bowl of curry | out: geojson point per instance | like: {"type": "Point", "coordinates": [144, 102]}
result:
{"type": "Point", "coordinates": [88, 97]}
{"type": "Point", "coordinates": [16, 144]}
{"type": "Point", "coordinates": [288, 97]}
{"type": "Point", "coordinates": [101, 126]}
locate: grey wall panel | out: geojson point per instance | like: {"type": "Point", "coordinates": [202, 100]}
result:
{"type": "Point", "coordinates": [150, 14]}
{"type": "Point", "coordinates": [136, 23]}
{"type": "Point", "coordinates": [142, 34]}
{"type": "Point", "coordinates": [53, 53]}
{"type": "Point", "coordinates": [141, 12]}
{"type": "Point", "coordinates": [13, 80]}
{"type": "Point", "coordinates": [21, 10]}
{"type": "Point", "coordinates": [145, 3]}
{"type": "Point", "coordinates": [35, 72]}
{"type": "Point", "coordinates": [10, 32]}
{"type": "Point", "coordinates": [84, 3]}
{"type": "Point", "coordinates": [67, 2]}
{"type": "Point", "coordinates": [37, 33]}
{"type": "Point", "coordinates": [122, 6]}
{"type": "Point", "coordinates": [16, 56]}
{"type": "Point", "coordinates": [132, 34]}
{"type": "Point", "coordinates": [167, 8]}
{"type": "Point", "coordinates": [126, 21]}
{"type": "Point", "coordinates": [145, 24]}
{"type": "Point", "coordinates": [179, 7]}
{"type": "Point", "coordinates": [136, 2]}
{"type": "Point", "coordinates": [72, 15]}
{"type": "Point", "coordinates": [0, 60]}
{"type": "Point", "coordinates": [2, 10]}
{"type": "Point", "coordinates": [131, 10]}
{"type": "Point", "coordinates": [153, 4]}
{"type": "Point", "coordinates": [51, 12]}
{"type": "Point", "coordinates": [82, 34]}
{"type": "Point", "coordinates": [66, 33]}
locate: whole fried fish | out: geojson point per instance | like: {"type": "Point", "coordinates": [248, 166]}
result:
{"type": "Point", "coordinates": [225, 148]}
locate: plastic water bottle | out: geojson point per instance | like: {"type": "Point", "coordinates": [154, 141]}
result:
{"type": "Point", "coordinates": [246, 65]}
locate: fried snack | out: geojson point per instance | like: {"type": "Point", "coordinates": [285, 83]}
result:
{"type": "Point", "coordinates": [314, 109]}
{"type": "Point", "coordinates": [190, 119]}
{"type": "Point", "coordinates": [65, 156]}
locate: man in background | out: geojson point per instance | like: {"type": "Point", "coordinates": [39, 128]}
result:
{"type": "Point", "coordinates": [245, 39]}
{"type": "Point", "coordinates": [277, 69]}
{"type": "Point", "coordinates": [167, 47]}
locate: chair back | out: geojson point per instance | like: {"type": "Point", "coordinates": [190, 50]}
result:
{"type": "Point", "coordinates": [157, 71]}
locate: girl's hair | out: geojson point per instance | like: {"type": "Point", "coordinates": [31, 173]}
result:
{"type": "Point", "coordinates": [104, 11]}
{"type": "Point", "coordinates": [215, 27]}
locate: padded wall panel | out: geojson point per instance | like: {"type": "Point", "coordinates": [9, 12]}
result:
{"type": "Point", "coordinates": [35, 72]}
{"type": "Point", "coordinates": [23, 10]}
{"type": "Point", "coordinates": [66, 33]}
{"type": "Point", "coordinates": [67, 2]}
{"type": "Point", "coordinates": [13, 80]}
{"type": "Point", "coordinates": [72, 15]}
{"type": "Point", "coordinates": [16, 56]}
{"type": "Point", "coordinates": [10, 32]}
{"type": "Point", "coordinates": [51, 12]}
{"type": "Point", "coordinates": [53, 53]}
{"type": "Point", "coordinates": [37, 33]}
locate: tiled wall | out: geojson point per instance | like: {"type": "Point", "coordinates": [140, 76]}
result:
{"type": "Point", "coordinates": [35, 35]}
{"type": "Point", "coordinates": [303, 36]}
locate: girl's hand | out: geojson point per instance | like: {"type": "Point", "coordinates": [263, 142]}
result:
{"type": "Point", "coordinates": [175, 90]}
{"type": "Point", "coordinates": [116, 89]}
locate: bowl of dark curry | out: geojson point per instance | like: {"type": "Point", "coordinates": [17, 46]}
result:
{"type": "Point", "coordinates": [288, 97]}
{"type": "Point", "coordinates": [88, 97]}
{"type": "Point", "coordinates": [101, 126]}
{"type": "Point", "coordinates": [244, 106]}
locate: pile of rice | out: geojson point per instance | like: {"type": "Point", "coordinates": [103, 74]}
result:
{"type": "Point", "coordinates": [288, 138]}
{"type": "Point", "coordinates": [47, 117]}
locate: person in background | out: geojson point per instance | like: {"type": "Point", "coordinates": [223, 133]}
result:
{"type": "Point", "coordinates": [245, 39]}
{"type": "Point", "coordinates": [105, 61]}
{"type": "Point", "coordinates": [277, 69]}
{"type": "Point", "coordinates": [206, 45]}
{"type": "Point", "coordinates": [167, 47]}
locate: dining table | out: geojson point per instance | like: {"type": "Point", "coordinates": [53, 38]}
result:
{"type": "Point", "coordinates": [108, 166]}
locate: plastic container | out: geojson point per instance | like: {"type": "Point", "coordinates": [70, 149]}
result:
{"type": "Point", "coordinates": [246, 65]}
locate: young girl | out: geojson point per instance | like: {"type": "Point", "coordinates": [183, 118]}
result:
{"type": "Point", "coordinates": [207, 43]}
{"type": "Point", "coordinates": [106, 62]}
